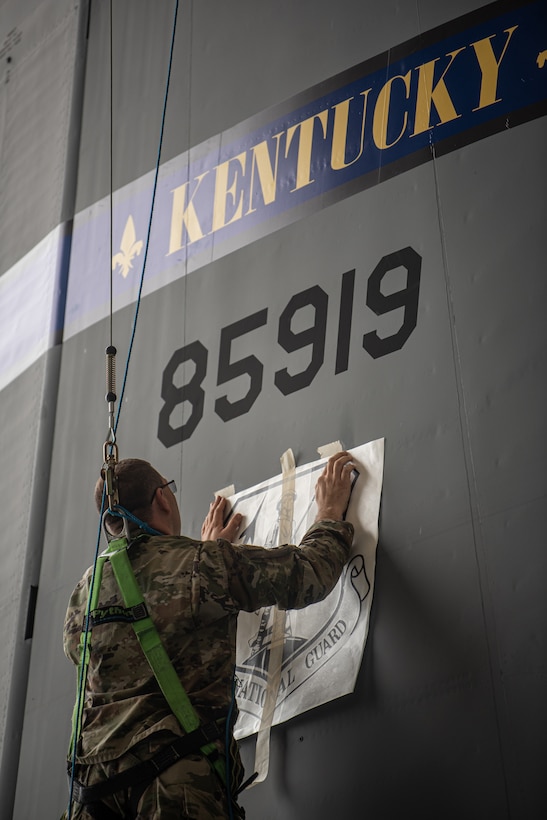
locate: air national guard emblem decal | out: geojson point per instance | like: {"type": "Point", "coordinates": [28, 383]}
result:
{"type": "Point", "coordinates": [324, 643]}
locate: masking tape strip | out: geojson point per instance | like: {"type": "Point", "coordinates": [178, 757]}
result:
{"type": "Point", "coordinates": [328, 450]}
{"type": "Point", "coordinates": [286, 516]}
{"type": "Point", "coordinates": [226, 492]}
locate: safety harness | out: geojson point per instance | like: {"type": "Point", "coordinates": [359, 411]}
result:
{"type": "Point", "coordinates": [197, 738]}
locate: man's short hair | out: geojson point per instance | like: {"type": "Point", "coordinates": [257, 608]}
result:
{"type": "Point", "coordinates": [137, 482]}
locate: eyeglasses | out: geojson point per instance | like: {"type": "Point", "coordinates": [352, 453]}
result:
{"type": "Point", "coordinates": [162, 486]}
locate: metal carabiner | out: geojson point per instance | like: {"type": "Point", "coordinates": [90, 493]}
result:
{"type": "Point", "coordinates": [110, 459]}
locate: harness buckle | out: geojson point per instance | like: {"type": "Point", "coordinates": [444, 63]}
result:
{"type": "Point", "coordinates": [210, 731]}
{"type": "Point", "coordinates": [165, 758]}
{"type": "Point", "coordinates": [139, 611]}
{"type": "Point", "coordinates": [77, 792]}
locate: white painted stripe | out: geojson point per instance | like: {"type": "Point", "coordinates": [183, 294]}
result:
{"type": "Point", "coordinates": [28, 292]}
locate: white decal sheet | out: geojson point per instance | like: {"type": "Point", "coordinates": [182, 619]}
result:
{"type": "Point", "coordinates": [324, 643]}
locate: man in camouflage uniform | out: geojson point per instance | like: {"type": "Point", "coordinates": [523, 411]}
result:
{"type": "Point", "coordinates": [193, 591]}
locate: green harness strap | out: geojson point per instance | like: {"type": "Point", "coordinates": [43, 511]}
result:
{"type": "Point", "coordinates": [85, 652]}
{"type": "Point", "coordinates": [151, 645]}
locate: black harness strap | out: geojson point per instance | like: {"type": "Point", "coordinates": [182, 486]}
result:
{"type": "Point", "coordinates": [98, 811]}
{"type": "Point", "coordinates": [148, 770]}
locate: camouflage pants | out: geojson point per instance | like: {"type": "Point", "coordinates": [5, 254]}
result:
{"type": "Point", "coordinates": [188, 790]}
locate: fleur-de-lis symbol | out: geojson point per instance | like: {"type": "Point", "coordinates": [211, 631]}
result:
{"type": "Point", "coordinates": [129, 248]}
{"type": "Point", "coordinates": [541, 59]}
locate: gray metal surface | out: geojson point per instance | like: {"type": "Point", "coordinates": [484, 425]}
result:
{"type": "Point", "coordinates": [448, 718]}
{"type": "Point", "coordinates": [42, 64]}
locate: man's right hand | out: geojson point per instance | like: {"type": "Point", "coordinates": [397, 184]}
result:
{"type": "Point", "coordinates": [213, 526]}
{"type": "Point", "coordinates": [333, 487]}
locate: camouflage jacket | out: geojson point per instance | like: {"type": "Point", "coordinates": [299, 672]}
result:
{"type": "Point", "coordinates": [193, 591]}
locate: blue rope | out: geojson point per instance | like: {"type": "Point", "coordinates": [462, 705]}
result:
{"type": "Point", "coordinates": [154, 189]}
{"type": "Point", "coordinates": [121, 512]}
{"type": "Point", "coordinates": [81, 682]}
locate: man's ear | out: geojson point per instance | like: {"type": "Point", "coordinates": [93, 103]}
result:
{"type": "Point", "coordinates": [161, 500]}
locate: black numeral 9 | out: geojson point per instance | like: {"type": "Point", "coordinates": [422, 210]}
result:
{"type": "Point", "coordinates": [313, 335]}
{"type": "Point", "coordinates": [406, 298]}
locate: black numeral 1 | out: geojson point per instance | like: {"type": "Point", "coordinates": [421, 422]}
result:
{"type": "Point", "coordinates": [344, 321]}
